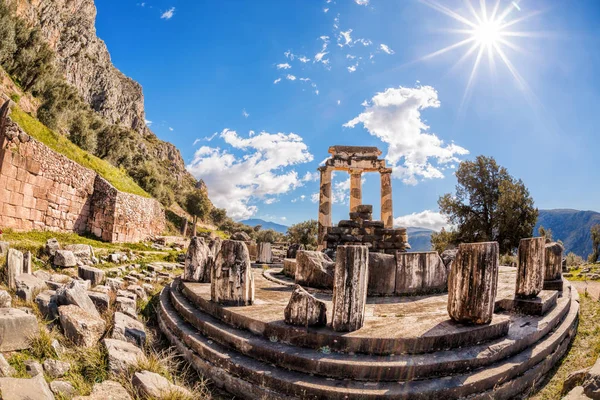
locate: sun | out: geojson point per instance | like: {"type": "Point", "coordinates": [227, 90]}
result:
{"type": "Point", "coordinates": [487, 33]}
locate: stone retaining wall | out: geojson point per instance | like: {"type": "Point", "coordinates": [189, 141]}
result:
{"type": "Point", "coordinates": [43, 190]}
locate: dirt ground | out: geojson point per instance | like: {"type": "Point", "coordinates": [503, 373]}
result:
{"type": "Point", "coordinates": [592, 287]}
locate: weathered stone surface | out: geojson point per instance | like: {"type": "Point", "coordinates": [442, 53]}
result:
{"type": "Point", "coordinates": [115, 284]}
{"type": "Point", "coordinates": [51, 246]}
{"type": "Point", "coordinates": [473, 282]}
{"type": "Point", "coordinates": [139, 292]}
{"type": "Point", "coordinates": [100, 300]}
{"type": "Point", "coordinates": [27, 263]}
{"type": "Point", "coordinates": [314, 269]}
{"type": "Point", "coordinates": [591, 385]}
{"type": "Point", "coordinates": [553, 260]}
{"type": "Point", "coordinates": [4, 246]}
{"type": "Point", "coordinates": [126, 293]}
{"type": "Point", "coordinates": [76, 294]}
{"type": "Point", "coordinates": [28, 286]}
{"type": "Point", "coordinates": [421, 272]}
{"type": "Point", "coordinates": [289, 267]}
{"type": "Point", "coordinates": [122, 355]}
{"type": "Point", "coordinates": [241, 236]}
{"type": "Point", "coordinates": [292, 250]}
{"type": "Point", "coordinates": [33, 368]}
{"type": "Point", "coordinates": [448, 257]}
{"type": "Point", "coordinates": [14, 267]}
{"type": "Point", "coordinates": [232, 282]}
{"type": "Point", "coordinates": [126, 305]}
{"type": "Point", "coordinates": [382, 274]}
{"type": "Point", "coordinates": [350, 288]}
{"type": "Point", "coordinates": [56, 368]}
{"type": "Point", "coordinates": [17, 327]}
{"type": "Point", "coordinates": [80, 327]}
{"type": "Point", "coordinates": [64, 258]}
{"type": "Point", "coordinates": [63, 388]}
{"type": "Point", "coordinates": [5, 368]}
{"type": "Point", "coordinates": [92, 274]}
{"type": "Point", "coordinates": [25, 389]}
{"type": "Point", "coordinates": [577, 393]}
{"type": "Point", "coordinates": [265, 253]}
{"type": "Point", "coordinates": [81, 251]}
{"type": "Point", "coordinates": [574, 379]}
{"type": "Point", "coordinates": [47, 303]}
{"type": "Point", "coordinates": [107, 390]}
{"type": "Point", "coordinates": [151, 385]}
{"type": "Point", "coordinates": [304, 309]}
{"type": "Point", "coordinates": [5, 299]}
{"type": "Point", "coordinates": [129, 329]}
{"type": "Point", "coordinates": [197, 264]}
{"type": "Point", "coordinates": [531, 267]}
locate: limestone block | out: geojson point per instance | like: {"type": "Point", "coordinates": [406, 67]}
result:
{"type": "Point", "coordinates": [17, 327]}
{"type": "Point", "coordinates": [152, 385]}
{"type": "Point", "coordinates": [314, 269]}
{"type": "Point", "coordinates": [51, 246]}
{"type": "Point", "coordinates": [76, 294]}
{"type": "Point", "coordinates": [232, 282]}
{"type": "Point", "coordinates": [129, 329]}
{"type": "Point", "coordinates": [64, 259]}
{"type": "Point", "coordinates": [554, 254]}
{"type": "Point", "coordinates": [14, 267]}
{"type": "Point", "coordinates": [115, 284]}
{"type": "Point", "coordinates": [138, 291]}
{"type": "Point", "coordinates": [4, 246]}
{"type": "Point", "coordinates": [100, 300]}
{"type": "Point", "coordinates": [350, 288]}
{"type": "Point", "coordinates": [197, 265]}
{"type": "Point", "coordinates": [265, 253]}
{"type": "Point", "coordinates": [289, 267]}
{"type": "Point", "coordinates": [25, 389]}
{"type": "Point", "coordinates": [531, 267]}
{"type": "Point", "coordinates": [92, 274]}
{"type": "Point", "coordinates": [5, 299]}
{"type": "Point", "coordinates": [33, 368]}
{"type": "Point", "coordinates": [382, 274]}
{"type": "Point", "coordinates": [47, 304]}
{"type": "Point", "coordinates": [80, 327]}
{"type": "Point", "coordinates": [292, 250]}
{"type": "Point", "coordinates": [27, 263]}
{"type": "Point", "coordinates": [28, 286]}
{"type": "Point", "coordinates": [126, 306]}
{"type": "Point", "coordinates": [420, 273]}
{"type": "Point", "coordinates": [6, 370]}
{"type": "Point", "coordinates": [241, 236]}
{"type": "Point", "coordinates": [81, 251]}
{"type": "Point", "coordinates": [473, 283]}
{"type": "Point", "coordinates": [304, 309]}
{"type": "Point", "coordinates": [122, 355]}
{"type": "Point", "coordinates": [55, 368]}
{"type": "Point", "coordinates": [591, 385]}
{"type": "Point", "coordinates": [448, 257]}
{"type": "Point", "coordinates": [63, 388]}
{"type": "Point", "coordinates": [107, 390]}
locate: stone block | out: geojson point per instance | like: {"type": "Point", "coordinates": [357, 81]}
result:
{"type": "Point", "coordinates": [418, 273]}
{"type": "Point", "coordinates": [6, 370]}
{"type": "Point", "coordinates": [47, 304]}
{"type": "Point", "coordinates": [28, 286]}
{"type": "Point", "coordinates": [129, 329]}
{"type": "Point", "coordinates": [126, 306]}
{"type": "Point", "coordinates": [539, 305]}
{"type": "Point", "coordinates": [292, 250]}
{"type": "Point", "coordinates": [304, 309]}
{"type": "Point", "coordinates": [5, 299]}
{"type": "Point", "coordinates": [51, 244]}
{"type": "Point", "coordinates": [27, 263]}
{"type": "Point", "coordinates": [76, 294]}
{"type": "Point", "coordinates": [473, 283]}
{"type": "Point", "coordinates": [531, 267]}
{"type": "Point", "coordinates": [314, 269]}
{"type": "Point", "coordinates": [107, 390]}
{"type": "Point", "coordinates": [197, 261]}
{"type": "Point", "coordinates": [382, 274]}
{"type": "Point", "coordinates": [33, 368]}
{"type": "Point", "coordinates": [154, 386]}
{"type": "Point", "coordinates": [14, 267]}
{"type": "Point", "coordinates": [100, 300]}
{"type": "Point", "coordinates": [289, 267]}
{"type": "Point", "coordinates": [122, 355]}
{"type": "Point", "coordinates": [64, 259]}
{"type": "Point", "coordinates": [92, 274]}
{"type": "Point", "coordinates": [232, 282]}
{"type": "Point", "coordinates": [4, 246]}
{"type": "Point", "coordinates": [25, 389]}
{"type": "Point", "coordinates": [17, 328]}
{"type": "Point", "coordinates": [265, 253]}
{"type": "Point", "coordinates": [554, 285]}
{"type": "Point", "coordinates": [55, 368]}
{"type": "Point", "coordinates": [81, 251]}
{"type": "Point", "coordinates": [553, 261]}
{"type": "Point", "coordinates": [63, 388]}
{"type": "Point", "coordinates": [80, 327]}
{"type": "Point", "coordinates": [350, 288]}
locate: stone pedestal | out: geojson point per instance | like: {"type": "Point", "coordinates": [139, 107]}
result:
{"type": "Point", "coordinates": [531, 267]}
{"type": "Point", "coordinates": [265, 254]}
{"type": "Point", "coordinates": [472, 283]}
{"type": "Point", "coordinates": [14, 267]}
{"type": "Point", "coordinates": [355, 190]}
{"type": "Point", "coordinates": [350, 288]}
{"type": "Point", "coordinates": [387, 213]}
{"type": "Point", "coordinates": [197, 265]}
{"type": "Point", "coordinates": [553, 274]}
{"type": "Point", "coordinates": [232, 283]}
{"type": "Point", "coordinates": [304, 309]}
{"type": "Point", "coordinates": [539, 305]}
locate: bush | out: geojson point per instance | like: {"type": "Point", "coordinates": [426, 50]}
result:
{"type": "Point", "coordinates": [573, 260]}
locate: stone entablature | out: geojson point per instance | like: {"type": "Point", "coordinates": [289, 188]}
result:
{"type": "Point", "coordinates": [44, 190]}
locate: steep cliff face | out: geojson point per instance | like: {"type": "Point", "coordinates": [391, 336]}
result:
{"type": "Point", "coordinates": [69, 28]}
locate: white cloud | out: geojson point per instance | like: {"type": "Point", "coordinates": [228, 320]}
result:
{"type": "Point", "coordinates": [339, 102]}
{"type": "Point", "coordinates": [364, 42]}
{"type": "Point", "coordinates": [319, 57]}
{"type": "Point", "coordinates": [365, 103]}
{"type": "Point", "coordinates": [196, 142]}
{"type": "Point", "coordinates": [168, 14]}
{"type": "Point", "coordinates": [385, 48]}
{"type": "Point", "coordinates": [394, 117]}
{"type": "Point", "coordinates": [317, 92]}
{"type": "Point", "coordinates": [270, 200]}
{"type": "Point", "coordinates": [303, 59]}
{"type": "Point", "coordinates": [284, 66]}
{"type": "Point", "coordinates": [305, 79]}
{"type": "Point", "coordinates": [311, 177]}
{"type": "Point", "coordinates": [325, 10]}
{"type": "Point", "coordinates": [345, 38]}
{"type": "Point", "coordinates": [171, 129]}
{"type": "Point", "coordinates": [290, 77]}
{"type": "Point", "coordinates": [290, 55]}
{"type": "Point", "coordinates": [245, 113]}
{"type": "Point", "coordinates": [314, 197]}
{"type": "Point", "coordinates": [276, 81]}
{"type": "Point", "coordinates": [362, 2]}
{"type": "Point", "coordinates": [263, 169]}
{"type": "Point", "coordinates": [424, 219]}
{"type": "Point", "coordinates": [352, 68]}
{"type": "Point", "coordinates": [148, 122]}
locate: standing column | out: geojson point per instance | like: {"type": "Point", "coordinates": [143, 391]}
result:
{"type": "Point", "coordinates": [355, 189]}
{"type": "Point", "coordinates": [350, 283]}
{"type": "Point", "coordinates": [387, 213]}
{"type": "Point", "coordinates": [531, 267]}
{"type": "Point", "coordinates": [324, 205]}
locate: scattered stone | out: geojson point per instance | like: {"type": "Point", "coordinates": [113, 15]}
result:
{"type": "Point", "coordinates": [382, 274]}
{"type": "Point", "coordinates": [81, 251]}
{"type": "Point", "coordinates": [350, 288]}
{"type": "Point", "coordinates": [28, 286]}
{"type": "Point", "coordinates": [5, 368]}
{"type": "Point", "coordinates": [47, 303]}
{"type": "Point", "coordinates": [289, 267]}
{"type": "Point", "coordinates": [129, 329]}
{"type": "Point", "coordinates": [591, 385]}
{"type": "Point", "coordinates": [131, 279]}
{"type": "Point", "coordinates": [197, 265]}
{"type": "Point", "coordinates": [52, 246]}
{"type": "Point", "coordinates": [107, 390]}
{"type": "Point", "coordinates": [4, 246]}
{"type": "Point", "coordinates": [242, 236]}
{"type": "Point", "coordinates": [232, 282]}
{"type": "Point", "coordinates": [304, 309]}
{"type": "Point", "coordinates": [64, 259]}
{"type": "Point", "coordinates": [27, 263]}
{"type": "Point", "coordinates": [448, 257]}
{"type": "Point", "coordinates": [80, 327]}
{"type": "Point", "coordinates": [14, 267]}
{"type": "Point", "coordinates": [472, 283]}
{"type": "Point", "coordinates": [55, 368]}
{"type": "Point", "coordinates": [574, 379]}
{"type": "Point", "coordinates": [63, 388]}
{"type": "Point", "coordinates": [151, 385]}
{"type": "Point", "coordinates": [60, 278]}
{"type": "Point", "coordinates": [148, 288]}
{"type": "Point", "coordinates": [92, 274]}
{"type": "Point", "coordinates": [25, 389]}
{"type": "Point", "coordinates": [122, 355]}
{"type": "Point", "coordinates": [115, 258]}
{"type": "Point", "coordinates": [138, 291]}
{"type": "Point", "coordinates": [101, 289]}
{"type": "Point", "coordinates": [58, 348]}
{"type": "Point", "coordinates": [100, 300]}
{"type": "Point", "coordinates": [17, 328]}
{"type": "Point", "coordinates": [127, 293]}
{"type": "Point", "coordinates": [5, 299]}
{"type": "Point", "coordinates": [43, 275]}
{"type": "Point", "coordinates": [126, 306]}
{"type": "Point", "coordinates": [33, 368]}
{"type": "Point", "coordinates": [74, 293]}
{"type": "Point", "coordinates": [265, 254]}
{"type": "Point", "coordinates": [314, 269]}
{"type": "Point", "coordinates": [114, 284]}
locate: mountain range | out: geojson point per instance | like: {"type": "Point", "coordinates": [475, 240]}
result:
{"type": "Point", "coordinates": [265, 224]}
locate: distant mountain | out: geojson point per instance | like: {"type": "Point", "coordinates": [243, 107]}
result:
{"type": "Point", "coordinates": [570, 226]}
{"type": "Point", "coordinates": [419, 238]}
{"type": "Point", "coordinates": [265, 224]}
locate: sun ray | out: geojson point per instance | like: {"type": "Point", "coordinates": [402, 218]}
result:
{"type": "Point", "coordinates": [495, 10]}
{"type": "Point", "coordinates": [469, 87]}
{"type": "Point", "coordinates": [446, 49]}
{"type": "Point", "coordinates": [445, 10]}
{"type": "Point", "coordinates": [521, 19]}
{"type": "Point", "coordinates": [473, 12]}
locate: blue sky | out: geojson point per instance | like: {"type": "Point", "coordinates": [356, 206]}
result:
{"type": "Point", "coordinates": [254, 93]}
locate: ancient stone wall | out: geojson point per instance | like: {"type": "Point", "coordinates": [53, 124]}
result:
{"type": "Point", "coordinates": [41, 189]}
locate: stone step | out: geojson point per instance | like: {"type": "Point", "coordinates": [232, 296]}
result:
{"type": "Point", "coordinates": [235, 370]}
{"type": "Point", "coordinates": [371, 367]}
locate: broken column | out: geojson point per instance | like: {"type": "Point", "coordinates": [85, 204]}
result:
{"type": "Point", "coordinates": [265, 255]}
{"type": "Point", "coordinates": [553, 275]}
{"type": "Point", "coordinates": [473, 282]}
{"type": "Point", "coordinates": [232, 282]}
{"type": "Point", "coordinates": [387, 213]}
{"type": "Point", "coordinates": [304, 309]}
{"type": "Point", "coordinates": [530, 267]}
{"type": "Point", "coordinates": [197, 266]}
{"type": "Point", "coordinates": [27, 263]}
{"type": "Point", "coordinates": [350, 285]}
{"type": "Point", "coordinates": [355, 189]}
{"type": "Point", "coordinates": [324, 205]}
{"type": "Point", "coordinates": [14, 267]}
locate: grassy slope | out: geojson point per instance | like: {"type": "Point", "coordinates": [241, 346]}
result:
{"type": "Point", "coordinates": [59, 143]}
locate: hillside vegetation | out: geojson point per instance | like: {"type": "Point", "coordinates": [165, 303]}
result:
{"type": "Point", "coordinates": [570, 226]}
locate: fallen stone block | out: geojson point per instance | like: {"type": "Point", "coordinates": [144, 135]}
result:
{"type": "Point", "coordinates": [80, 327]}
{"type": "Point", "coordinates": [76, 294]}
{"type": "Point", "coordinates": [81, 251]}
{"type": "Point", "coordinates": [56, 368]}
{"type": "Point", "coordinates": [151, 385]}
{"type": "Point", "coordinates": [51, 247]}
{"type": "Point", "coordinates": [107, 390]}
{"type": "Point", "coordinates": [129, 329]}
{"type": "Point", "coordinates": [138, 291]}
{"type": "Point", "coordinates": [43, 275]}
{"type": "Point", "coordinates": [5, 299]}
{"type": "Point", "coordinates": [92, 274]}
{"type": "Point", "coordinates": [448, 257]}
{"type": "Point", "coordinates": [47, 303]}
{"type": "Point", "coordinates": [304, 309]}
{"type": "Point", "coordinates": [33, 368]}
{"type": "Point", "coordinates": [122, 355]}
{"type": "Point", "coordinates": [114, 284]}
{"type": "Point", "coordinates": [63, 388]}
{"type": "Point", "coordinates": [126, 306]}
{"type": "Point", "coordinates": [4, 246]}
{"type": "Point", "coordinates": [14, 267]}
{"type": "Point", "coordinates": [289, 267]}
{"type": "Point", "coordinates": [5, 368]}
{"type": "Point", "coordinates": [314, 269]}
{"type": "Point", "coordinates": [591, 385]}
{"type": "Point", "coordinates": [64, 259]}
{"type": "Point", "coordinates": [25, 389]}
{"type": "Point", "coordinates": [100, 300]}
{"type": "Point", "coordinates": [127, 293]}
{"type": "Point", "coordinates": [17, 328]}
{"type": "Point", "coordinates": [28, 286]}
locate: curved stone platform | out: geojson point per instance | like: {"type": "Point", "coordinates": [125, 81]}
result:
{"type": "Point", "coordinates": [250, 364]}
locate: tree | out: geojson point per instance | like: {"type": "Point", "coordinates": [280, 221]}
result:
{"type": "Point", "coordinates": [442, 240]}
{"type": "Point", "coordinates": [218, 215]}
{"type": "Point", "coordinates": [304, 233]}
{"type": "Point", "coordinates": [595, 232]}
{"type": "Point", "coordinates": [547, 233]}
{"type": "Point", "coordinates": [269, 236]}
{"type": "Point", "coordinates": [489, 205]}
{"type": "Point", "coordinates": [198, 205]}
